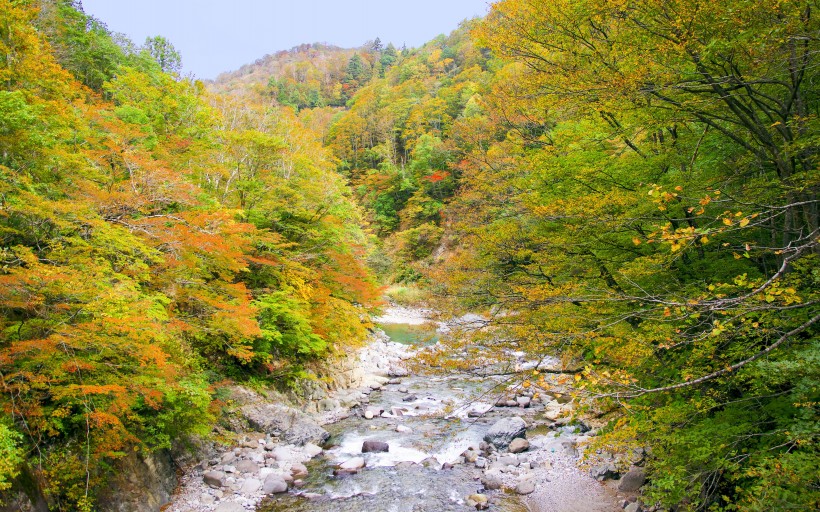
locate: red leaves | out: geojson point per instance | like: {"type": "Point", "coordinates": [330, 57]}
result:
{"type": "Point", "coordinates": [437, 176]}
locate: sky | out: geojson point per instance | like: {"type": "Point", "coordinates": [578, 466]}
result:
{"type": "Point", "coordinates": [214, 36]}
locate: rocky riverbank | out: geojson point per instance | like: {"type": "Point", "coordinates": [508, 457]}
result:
{"type": "Point", "coordinates": [387, 440]}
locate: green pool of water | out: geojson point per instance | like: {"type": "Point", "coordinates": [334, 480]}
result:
{"type": "Point", "coordinates": [407, 334]}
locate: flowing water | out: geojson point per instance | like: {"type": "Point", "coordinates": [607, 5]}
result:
{"type": "Point", "coordinates": [432, 411]}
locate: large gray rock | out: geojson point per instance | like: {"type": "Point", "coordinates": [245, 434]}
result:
{"type": "Point", "coordinates": [286, 423]}
{"type": "Point", "coordinates": [632, 480]}
{"type": "Point", "coordinates": [505, 430]}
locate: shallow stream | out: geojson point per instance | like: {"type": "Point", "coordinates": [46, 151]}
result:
{"type": "Point", "coordinates": [432, 411]}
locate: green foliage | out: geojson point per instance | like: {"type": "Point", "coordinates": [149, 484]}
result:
{"type": "Point", "coordinates": [10, 455]}
{"type": "Point", "coordinates": [153, 238]}
{"type": "Point", "coordinates": [286, 329]}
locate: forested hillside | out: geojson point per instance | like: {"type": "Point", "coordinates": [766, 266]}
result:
{"type": "Point", "coordinates": [155, 239]}
{"type": "Point", "coordinates": [630, 186]}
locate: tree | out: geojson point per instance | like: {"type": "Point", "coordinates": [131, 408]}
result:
{"type": "Point", "coordinates": [162, 51]}
{"type": "Point", "coordinates": [651, 217]}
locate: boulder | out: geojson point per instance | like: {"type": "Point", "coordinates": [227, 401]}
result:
{"type": "Point", "coordinates": [632, 480]}
{"type": "Point", "coordinates": [274, 484]}
{"type": "Point", "coordinates": [215, 479]}
{"type": "Point", "coordinates": [505, 430]}
{"type": "Point", "coordinates": [633, 507]}
{"type": "Point", "coordinates": [519, 445]}
{"type": "Point", "coordinates": [375, 447]}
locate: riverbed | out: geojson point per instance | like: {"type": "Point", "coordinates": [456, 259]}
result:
{"type": "Point", "coordinates": [431, 428]}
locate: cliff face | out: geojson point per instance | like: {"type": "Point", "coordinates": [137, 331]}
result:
{"type": "Point", "coordinates": [142, 484]}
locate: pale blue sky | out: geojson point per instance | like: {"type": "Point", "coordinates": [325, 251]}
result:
{"type": "Point", "coordinates": [220, 35]}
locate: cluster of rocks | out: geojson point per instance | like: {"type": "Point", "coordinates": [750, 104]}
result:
{"type": "Point", "coordinates": [241, 477]}
{"type": "Point", "coordinates": [275, 440]}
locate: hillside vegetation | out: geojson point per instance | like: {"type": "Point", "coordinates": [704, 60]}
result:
{"type": "Point", "coordinates": [630, 186]}
{"type": "Point", "coordinates": [155, 239]}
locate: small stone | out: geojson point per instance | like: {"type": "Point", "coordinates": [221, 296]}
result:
{"type": "Point", "coordinates": [403, 390]}
{"type": "Point", "coordinates": [470, 456]}
{"type": "Point", "coordinates": [479, 501]}
{"type": "Point", "coordinates": [228, 469]}
{"type": "Point", "coordinates": [404, 429]}
{"type": "Point", "coordinates": [298, 470]}
{"type": "Point", "coordinates": [275, 484]}
{"type": "Point", "coordinates": [519, 445]}
{"type": "Point", "coordinates": [523, 401]}
{"type": "Point", "coordinates": [368, 414]}
{"type": "Point", "coordinates": [375, 447]}
{"type": "Point", "coordinates": [509, 460]}
{"type": "Point", "coordinates": [525, 487]}
{"type": "Point", "coordinates": [633, 507]}
{"type": "Point", "coordinates": [511, 403]}
{"type": "Point", "coordinates": [270, 446]}
{"type": "Point", "coordinates": [229, 506]}
{"type": "Point", "coordinates": [215, 479]}
{"type": "Point", "coordinates": [250, 486]}
{"type": "Point", "coordinates": [312, 450]}
{"type": "Point", "coordinates": [491, 482]}
{"type": "Point", "coordinates": [247, 466]}
{"type": "Point", "coordinates": [481, 462]}
{"type": "Point", "coordinates": [352, 464]}
{"type": "Point", "coordinates": [410, 398]}
{"type": "Point", "coordinates": [604, 472]}
{"type": "Point", "coordinates": [207, 499]}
